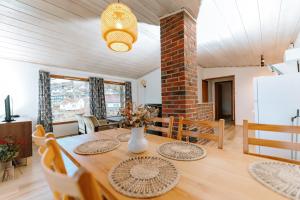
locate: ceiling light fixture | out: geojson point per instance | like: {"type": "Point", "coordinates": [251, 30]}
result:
{"type": "Point", "coordinates": [119, 27]}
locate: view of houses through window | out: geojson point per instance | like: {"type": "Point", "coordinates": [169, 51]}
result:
{"type": "Point", "coordinates": [69, 97]}
{"type": "Point", "coordinates": [114, 98]}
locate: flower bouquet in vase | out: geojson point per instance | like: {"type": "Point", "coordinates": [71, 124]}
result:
{"type": "Point", "coordinates": [137, 119]}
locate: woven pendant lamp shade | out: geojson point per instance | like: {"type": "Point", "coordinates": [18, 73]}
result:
{"type": "Point", "coordinates": [119, 27]}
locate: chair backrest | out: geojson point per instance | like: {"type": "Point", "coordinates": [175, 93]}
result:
{"type": "Point", "coordinates": [40, 131]}
{"type": "Point", "coordinates": [167, 120]}
{"type": "Point", "coordinates": [39, 136]}
{"type": "Point", "coordinates": [79, 118]}
{"type": "Point", "coordinates": [81, 186]}
{"type": "Point", "coordinates": [270, 143]}
{"type": "Point", "coordinates": [200, 123]}
{"type": "Point", "coordinates": [90, 127]}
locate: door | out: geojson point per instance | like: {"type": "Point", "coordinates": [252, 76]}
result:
{"type": "Point", "coordinates": [218, 101]}
{"type": "Point", "coordinates": [204, 91]}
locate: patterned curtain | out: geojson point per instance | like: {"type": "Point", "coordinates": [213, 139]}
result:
{"type": "Point", "coordinates": [45, 110]}
{"type": "Point", "coordinates": [128, 95]}
{"type": "Point", "coordinates": [97, 97]}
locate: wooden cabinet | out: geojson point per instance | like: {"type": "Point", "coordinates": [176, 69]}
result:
{"type": "Point", "coordinates": [21, 131]}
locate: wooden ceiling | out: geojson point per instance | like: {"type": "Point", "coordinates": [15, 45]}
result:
{"type": "Point", "coordinates": [237, 32]}
{"type": "Point", "coordinates": [66, 33]}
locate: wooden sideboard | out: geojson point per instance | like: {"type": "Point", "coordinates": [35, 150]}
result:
{"type": "Point", "coordinates": [21, 131]}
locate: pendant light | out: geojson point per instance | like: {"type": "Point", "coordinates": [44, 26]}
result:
{"type": "Point", "coordinates": [119, 27]}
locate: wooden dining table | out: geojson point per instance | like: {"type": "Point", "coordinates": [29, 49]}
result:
{"type": "Point", "coordinates": [222, 174]}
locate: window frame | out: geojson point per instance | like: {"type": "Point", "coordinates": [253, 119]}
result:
{"type": "Point", "coordinates": [115, 83]}
{"type": "Point", "coordinates": [55, 76]}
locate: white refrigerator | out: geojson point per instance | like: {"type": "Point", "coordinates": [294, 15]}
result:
{"type": "Point", "coordinates": [276, 101]}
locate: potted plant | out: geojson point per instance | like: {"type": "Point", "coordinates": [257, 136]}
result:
{"type": "Point", "coordinates": [137, 119]}
{"type": "Point", "coordinates": [9, 150]}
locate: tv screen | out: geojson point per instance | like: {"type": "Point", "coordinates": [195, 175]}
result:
{"type": "Point", "coordinates": [8, 117]}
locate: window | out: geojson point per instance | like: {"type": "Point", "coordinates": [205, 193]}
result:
{"type": "Point", "coordinates": [69, 97]}
{"type": "Point", "coordinates": [114, 98]}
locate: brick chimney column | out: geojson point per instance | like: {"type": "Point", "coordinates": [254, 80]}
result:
{"type": "Point", "coordinates": [179, 66]}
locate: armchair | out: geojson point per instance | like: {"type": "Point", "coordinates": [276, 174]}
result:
{"type": "Point", "coordinates": [81, 124]}
{"type": "Point", "coordinates": [89, 124]}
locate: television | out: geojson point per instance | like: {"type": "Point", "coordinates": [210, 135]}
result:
{"type": "Point", "coordinates": [8, 116]}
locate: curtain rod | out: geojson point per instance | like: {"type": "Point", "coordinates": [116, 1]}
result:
{"type": "Point", "coordinates": [82, 79]}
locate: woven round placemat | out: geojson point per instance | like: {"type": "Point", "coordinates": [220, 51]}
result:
{"type": "Point", "coordinates": [280, 177]}
{"type": "Point", "coordinates": [124, 137]}
{"type": "Point", "coordinates": [181, 151]}
{"type": "Point", "coordinates": [97, 146]}
{"type": "Point", "coordinates": [144, 176]}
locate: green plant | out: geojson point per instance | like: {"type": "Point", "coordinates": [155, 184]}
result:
{"type": "Point", "coordinates": [9, 149]}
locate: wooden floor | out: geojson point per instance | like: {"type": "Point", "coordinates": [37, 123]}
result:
{"type": "Point", "coordinates": [29, 182]}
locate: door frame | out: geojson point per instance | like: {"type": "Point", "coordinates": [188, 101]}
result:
{"type": "Point", "coordinates": [204, 91]}
{"type": "Point", "coordinates": [232, 92]}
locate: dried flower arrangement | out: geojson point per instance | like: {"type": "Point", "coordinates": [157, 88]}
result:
{"type": "Point", "coordinates": [139, 117]}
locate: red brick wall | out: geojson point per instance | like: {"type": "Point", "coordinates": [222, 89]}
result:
{"type": "Point", "coordinates": [178, 66]}
{"type": "Point", "coordinates": [206, 111]}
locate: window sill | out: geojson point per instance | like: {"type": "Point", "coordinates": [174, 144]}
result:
{"type": "Point", "coordinates": [61, 123]}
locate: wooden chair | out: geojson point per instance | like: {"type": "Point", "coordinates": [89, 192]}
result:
{"type": "Point", "coordinates": [270, 143]}
{"type": "Point", "coordinates": [198, 123]}
{"type": "Point", "coordinates": [166, 120]}
{"type": "Point", "coordinates": [40, 130]}
{"type": "Point", "coordinates": [39, 136]}
{"type": "Point", "coordinates": [81, 186]}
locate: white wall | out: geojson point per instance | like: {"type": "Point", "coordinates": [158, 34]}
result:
{"type": "Point", "coordinates": [297, 42]}
{"type": "Point", "coordinates": [244, 97]}
{"type": "Point", "coordinates": [152, 92]}
{"type": "Point", "coordinates": [20, 80]}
